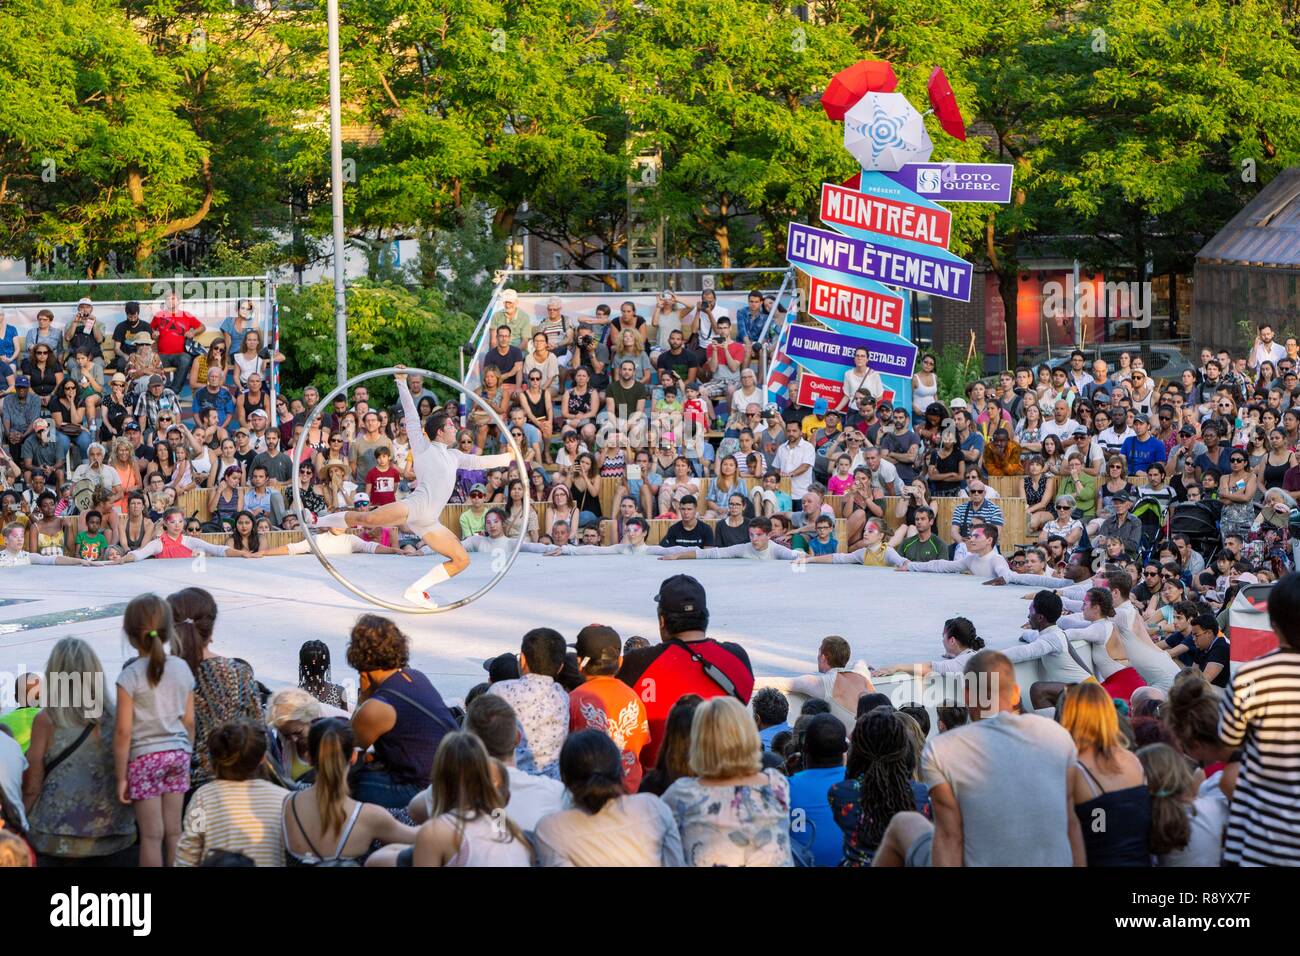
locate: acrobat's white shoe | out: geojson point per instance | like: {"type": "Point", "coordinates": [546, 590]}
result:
{"type": "Point", "coordinates": [419, 597]}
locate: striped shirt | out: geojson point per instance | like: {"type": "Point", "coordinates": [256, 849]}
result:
{"type": "Point", "coordinates": [964, 512]}
{"type": "Point", "coordinates": [1262, 715]}
{"type": "Point", "coordinates": [243, 816]}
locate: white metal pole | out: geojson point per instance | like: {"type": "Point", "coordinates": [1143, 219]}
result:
{"type": "Point", "coordinates": [336, 195]}
{"type": "Point", "coordinates": [1074, 307]}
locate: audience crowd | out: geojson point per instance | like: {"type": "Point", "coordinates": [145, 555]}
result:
{"type": "Point", "coordinates": [638, 752]}
{"type": "Point", "coordinates": [1148, 505]}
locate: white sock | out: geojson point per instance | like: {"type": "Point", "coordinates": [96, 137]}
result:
{"type": "Point", "coordinates": [432, 579]}
{"type": "Point", "coordinates": [336, 520]}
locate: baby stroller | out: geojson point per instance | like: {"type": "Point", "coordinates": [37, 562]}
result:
{"type": "Point", "coordinates": [1155, 523]}
{"type": "Point", "coordinates": [1199, 520]}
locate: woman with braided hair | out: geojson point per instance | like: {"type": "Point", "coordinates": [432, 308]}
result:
{"type": "Point", "coordinates": [878, 782]}
{"type": "Point", "coordinates": [314, 675]}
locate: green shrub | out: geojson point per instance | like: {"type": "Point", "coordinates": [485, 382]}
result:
{"type": "Point", "coordinates": [388, 324]}
{"type": "Point", "coordinates": [954, 372]}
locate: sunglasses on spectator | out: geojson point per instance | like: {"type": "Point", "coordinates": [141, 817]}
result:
{"type": "Point", "coordinates": [1063, 508]}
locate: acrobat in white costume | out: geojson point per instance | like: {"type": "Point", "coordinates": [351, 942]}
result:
{"type": "Point", "coordinates": [13, 555]}
{"type": "Point", "coordinates": [436, 460]}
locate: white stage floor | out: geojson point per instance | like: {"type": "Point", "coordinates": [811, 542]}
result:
{"type": "Point", "coordinates": [271, 606]}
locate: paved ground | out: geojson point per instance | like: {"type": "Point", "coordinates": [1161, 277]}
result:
{"type": "Point", "coordinates": [269, 607]}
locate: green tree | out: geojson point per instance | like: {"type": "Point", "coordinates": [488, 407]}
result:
{"type": "Point", "coordinates": [1175, 114]}
{"type": "Point", "coordinates": [95, 155]}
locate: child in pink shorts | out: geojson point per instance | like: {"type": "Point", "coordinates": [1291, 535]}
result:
{"type": "Point", "coordinates": [154, 736]}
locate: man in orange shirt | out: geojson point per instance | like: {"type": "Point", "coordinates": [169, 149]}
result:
{"type": "Point", "coordinates": [605, 703]}
{"type": "Point", "coordinates": [1002, 455]}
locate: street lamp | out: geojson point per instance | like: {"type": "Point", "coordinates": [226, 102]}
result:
{"type": "Point", "coordinates": [336, 196]}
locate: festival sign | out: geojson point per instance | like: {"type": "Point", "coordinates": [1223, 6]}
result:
{"type": "Point", "coordinates": [900, 263]}
{"type": "Point", "coordinates": [956, 182]}
{"type": "Point", "coordinates": [867, 304]}
{"type": "Point", "coordinates": [862, 213]}
{"type": "Point", "coordinates": [886, 234]}
{"type": "Point", "coordinates": [813, 387]}
{"type": "Point", "coordinates": [820, 345]}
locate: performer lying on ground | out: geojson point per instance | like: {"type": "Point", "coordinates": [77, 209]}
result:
{"type": "Point", "coordinates": [174, 543]}
{"type": "Point", "coordinates": [634, 532]}
{"type": "Point", "coordinates": [336, 541]}
{"type": "Point", "coordinates": [435, 459]}
{"type": "Point", "coordinates": [760, 548]}
{"type": "Point", "coordinates": [982, 560]}
{"type": "Point", "coordinates": [14, 556]}
{"type": "Point", "coordinates": [874, 552]}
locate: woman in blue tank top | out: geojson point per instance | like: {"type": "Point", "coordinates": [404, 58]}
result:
{"type": "Point", "coordinates": [399, 712]}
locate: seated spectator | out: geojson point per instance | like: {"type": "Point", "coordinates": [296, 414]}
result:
{"type": "Point", "coordinates": [686, 661]}
{"type": "Point", "coordinates": [675, 749]}
{"type": "Point", "coordinates": [879, 781]}
{"type": "Point", "coordinates": [731, 812]}
{"type": "Point", "coordinates": [770, 712]}
{"type": "Point", "coordinates": [27, 696]}
{"type": "Point", "coordinates": [607, 826]}
{"type": "Point", "coordinates": [238, 811]}
{"type": "Point", "coordinates": [1001, 787]}
{"type": "Point", "coordinates": [314, 675]}
{"type": "Point", "coordinates": [493, 721]}
{"type": "Point", "coordinates": [323, 825]}
{"type": "Point", "coordinates": [1002, 455]}
{"type": "Point", "coordinates": [399, 712]}
{"type": "Point", "coordinates": [812, 824]}
{"type": "Point", "coordinates": [603, 702]}
{"type": "Point", "coordinates": [1187, 822]}
{"type": "Point", "coordinates": [541, 704]}
{"type": "Point", "coordinates": [1111, 785]}
{"type": "Point", "coordinates": [466, 826]}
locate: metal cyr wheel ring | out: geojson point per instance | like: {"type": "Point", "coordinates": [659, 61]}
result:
{"type": "Point", "coordinates": [311, 536]}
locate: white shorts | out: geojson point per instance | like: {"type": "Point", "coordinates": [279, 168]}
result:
{"type": "Point", "coordinates": [422, 512]}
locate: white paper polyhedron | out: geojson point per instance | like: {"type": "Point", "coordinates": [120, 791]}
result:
{"type": "Point", "coordinates": [883, 131]}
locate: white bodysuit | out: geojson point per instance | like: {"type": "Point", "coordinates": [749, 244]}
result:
{"type": "Point", "coordinates": [435, 469]}
{"type": "Point", "coordinates": [18, 559]}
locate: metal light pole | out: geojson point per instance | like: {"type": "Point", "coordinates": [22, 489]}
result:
{"type": "Point", "coordinates": [336, 195]}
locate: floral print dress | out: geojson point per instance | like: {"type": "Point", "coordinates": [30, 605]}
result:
{"type": "Point", "coordinates": [734, 825]}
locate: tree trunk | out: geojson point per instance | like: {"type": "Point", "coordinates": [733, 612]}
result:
{"type": "Point", "coordinates": [1008, 291]}
{"type": "Point", "coordinates": [721, 234]}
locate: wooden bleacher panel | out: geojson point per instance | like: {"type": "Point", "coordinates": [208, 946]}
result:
{"type": "Point", "coordinates": [450, 517]}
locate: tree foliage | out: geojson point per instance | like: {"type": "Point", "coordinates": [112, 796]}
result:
{"type": "Point", "coordinates": [388, 324]}
{"type": "Point", "coordinates": [1136, 128]}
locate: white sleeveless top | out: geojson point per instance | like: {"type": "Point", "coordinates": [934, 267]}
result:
{"type": "Point", "coordinates": [847, 717]}
{"type": "Point", "coordinates": [1154, 665]}
{"type": "Point", "coordinates": [923, 395]}
{"type": "Point", "coordinates": [482, 843]}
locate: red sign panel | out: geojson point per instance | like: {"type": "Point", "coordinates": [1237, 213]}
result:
{"type": "Point", "coordinates": [813, 387]}
{"type": "Point", "coordinates": [889, 217]}
{"type": "Point", "coordinates": [844, 303]}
